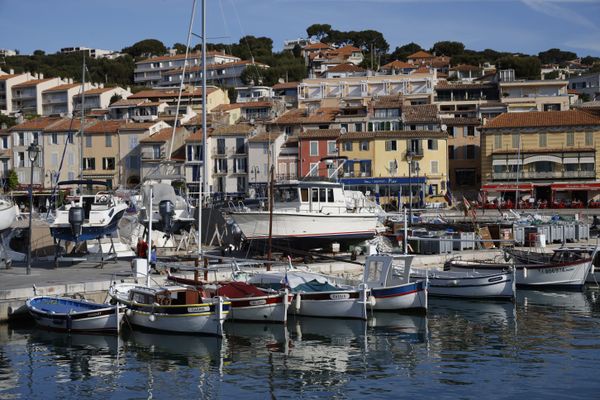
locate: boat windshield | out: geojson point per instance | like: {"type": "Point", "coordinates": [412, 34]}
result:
{"type": "Point", "coordinates": [286, 195]}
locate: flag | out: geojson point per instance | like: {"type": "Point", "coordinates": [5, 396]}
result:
{"type": "Point", "coordinates": [448, 196]}
{"type": "Point", "coordinates": [480, 198]}
{"type": "Point", "coordinates": [466, 204]}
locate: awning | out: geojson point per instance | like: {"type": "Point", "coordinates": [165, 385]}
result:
{"type": "Point", "coordinates": [383, 181]}
{"type": "Point", "coordinates": [575, 186]}
{"type": "Point", "coordinates": [575, 160]}
{"type": "Point", "coordinates": [532, 159]}
{"type": "Point", "coordinates": [507, 187]}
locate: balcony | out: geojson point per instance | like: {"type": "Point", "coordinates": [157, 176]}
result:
{"type": "Point", "coordinates": [151, 155]}
{"type": "Point", "coordinates": [544, 175]}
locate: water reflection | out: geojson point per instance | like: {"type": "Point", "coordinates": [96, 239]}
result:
{"type": "Point", "coordinates": [572, 301]}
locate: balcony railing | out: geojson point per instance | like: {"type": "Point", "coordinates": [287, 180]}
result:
{"type": "Point", "coordinates": [151, 155]}
{"type": "Point", "coordinates": [543, 175]}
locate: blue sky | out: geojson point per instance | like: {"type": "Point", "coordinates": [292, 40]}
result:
{"type": "Point", "coordinates": [527, 26]}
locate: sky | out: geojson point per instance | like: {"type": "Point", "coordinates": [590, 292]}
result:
{"type": "Point", "coordinates": [527, 26]}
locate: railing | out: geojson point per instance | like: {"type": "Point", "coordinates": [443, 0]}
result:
{"type": "Point", "coordinates": [543, 175]}
{"type": "Point", "coordinates": [150, 155]}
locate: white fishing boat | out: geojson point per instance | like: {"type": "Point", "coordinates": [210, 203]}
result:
{"type": "Point", "coordinates": [562, 270]}
{"type": "Point", "coordinates": [315, 295]}
{"type": "Point", "coordinates": [309, 214]}
{"type": "Point", "coordinates": [176, 308]}
{"type": "Point", "coordinates": [248, 302]}
{"type": "Point", "coordinates": [73, 315]}
{"type": "Point", "coordinates": [468, 284]}
{"type": "Point", "coordinates": [391, 291]}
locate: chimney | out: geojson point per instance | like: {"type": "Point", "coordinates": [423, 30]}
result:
{"type": "Point", "coordinates": [101, 86]}
{"type": "Point", "coordinates": [41, 76]}
{"type": "Point", "coordinates": [70, 80]}
{"type": "Point", "coordinates": [11, 71]}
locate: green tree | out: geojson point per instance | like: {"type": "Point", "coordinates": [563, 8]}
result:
{"type": "Point", "coordinates": [297, 51]}
{"type": "Point", "coordinates": [525, 67]}
{"type": "Point", "coordinates": [552, 75]}
{"type": "Point", "coordinates": [39, 53]}
{"type": "Point", "coordinates": [448, 48]}
{"type": "Point", "coordinates": [146, 47]}
{"type": "Point", "coordinates": [318, 31]}
{"type": "Point", "coordinates": [589, 60]}
{"type": "Point", "coordinates": [12, 180]}
{"type": "Point", "coordinates": [556, 56]}
{"type": "Point", "coordinates": [402, 52]}
{"type": "Point", "coordinates": [115, 97]}
{"type": "Point", "coordinates": [8, 121]}
{"type": "Point", "coordinates": [180, 48]}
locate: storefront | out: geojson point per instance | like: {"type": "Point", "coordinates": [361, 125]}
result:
{"type": "Point", "coordinates": [575, 192]}
{"type": "Point", "coordinates": [507, 192]}
{"type": "Point", "coordinates": [393, 191]}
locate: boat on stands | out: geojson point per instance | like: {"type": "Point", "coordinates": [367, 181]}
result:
{"type": "Point", "coordinates": [316, 295]}
{"type": "Point", "coordinates": [87, 216]}
{"type": "Point", "coordinates": [248, 302]}
{"type": "Point", "coordinates": [173, 308]}
{"type": "Point", "coordinates": [391, 288]}
{"type": "Point", "coordinates": [468, 284]}
{"type": "Point", "coordinates": [8, 214]}
{"type": "Point", "coordinates": [310, 214]}
{"type": "Point", "coordinates": [564, 269]}
{"type": "Point", "coordinates": [74, 315]}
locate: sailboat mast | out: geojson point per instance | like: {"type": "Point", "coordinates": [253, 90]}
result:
{"type": "Point", "coordinates": [204, 133]}
{"type": "Point", "coordinates": [82, 116]}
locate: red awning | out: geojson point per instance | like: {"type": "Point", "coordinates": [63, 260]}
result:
{"type": "Point", "coordinates": [507, 187]}
{"type": "Point", "coordinates": [575, 186]}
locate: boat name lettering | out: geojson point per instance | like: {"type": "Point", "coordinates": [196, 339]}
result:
{"type": "Point", "coordinates": [258, 302]}
{"type": "Point", "coordinates": [94, 314]}
{"type": "Point", "coordinates": [554, 270]}
{"type": "Point", "coordinates": [339, 296]}
{"type": "Point", "coordinates": [198, 309]}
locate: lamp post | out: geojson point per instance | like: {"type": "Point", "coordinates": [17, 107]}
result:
{"type": "Point", "coordinates": [32, 151]}
{"type": "Point", "coordinates": [409, 159]}
{"type": "Point", "coordinates": [254, 170]}
{"type": "Point", "coordinates": [420, 185]}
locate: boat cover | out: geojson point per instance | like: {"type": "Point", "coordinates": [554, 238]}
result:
{"type": "Point", "coordinates": [236, 290]}
{"type": "Point", "coordinates": [63, 306]}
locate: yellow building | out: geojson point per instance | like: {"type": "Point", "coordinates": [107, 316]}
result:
{"type": "Point", "coordinates": [101, 152]}
{"type": "Point", "coordinates": [549, 156]}
{"type": "Point", "coordinates": [378, 162]}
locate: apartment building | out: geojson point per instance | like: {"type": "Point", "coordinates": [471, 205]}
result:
{"type": "Point", "coordinates": [588, 84]}
{"type": "Point", "coordinates": [314, 147]}
{"type": "Point", "coordinates": [190, 97]}
{"type": "Point", "coordinates": [7, 81]}
{"type": "Point", "coordinates": [549, 156]}
{"type": "Point", "coordinates": [5, 153]}
{"type": "Point", "coordinates": [101, 153]}
{"type": "Point", "coordinates": [98, 98]}
{"type": "Point", "coordinates": [467, 100]}
{"type": "Point", "coordinates": [160, 147]}
{"type": "Point", "coordinates": [542, 95]}
{"type": "Point", "coordinates": [27, 96]}
{"type": "Point", "coordinates": [229, 156]}
{"type": "Point", "coordinates": [377, 163]}
{"type": "Point", "coordinates": [265, 150]}
{"type": "Point", "coordinates": [59, 100]}
{"type": "Point", "coordinates": [149, 72]}
{"type": "Point", "coordinates": [129, 159]}
{"type": "Point", "coordinates": [138, 110]}
{"type": "Point", "coordinates": [224, 74]}
{"type": "Point", "coordinates": [464, 155]}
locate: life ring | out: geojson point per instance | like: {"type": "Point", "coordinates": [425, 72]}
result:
{"type": "Point", "coordinates": [103, 199]}
{"type": "Point", "coordinates": [164, 299]}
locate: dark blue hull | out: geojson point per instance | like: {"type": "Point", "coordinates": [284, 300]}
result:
{"type": "Point", "coordinates": [87, 233]}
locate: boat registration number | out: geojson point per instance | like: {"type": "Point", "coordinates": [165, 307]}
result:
{"type": "Point", "coordinates": [198, 309]}
{"type": "Point", "coordinates": [556, 270]}
{"type": "Point", "coordinates": [339, 296]}
{"type": "Point", "coordinates": [258, 302]}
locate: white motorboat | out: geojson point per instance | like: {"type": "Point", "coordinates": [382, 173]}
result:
{"type": "Point", "coordinates": [565, 269]}
{"type": "Point", "coordinates": [8, 214]}
{"type": "Point", "coordinates": [315, 295]}
{"type": "Point", "coordinates": [468, 284]}
{"type": "Point", "coordinates": [73, 315]}
{"type": "Point", "coordinates": [171, 213]}
{"type": "Point", "coordinates": [248, 302]}
{"type": "Point", "coordinates": [309, 214]}
{"type": "Point", "coordinates": [87, 216]}
{"type": "Point", "coordinates": [390, 291]}
{"type": "Point", "coordinates": [174, 308]}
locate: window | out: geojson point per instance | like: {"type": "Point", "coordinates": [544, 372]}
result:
{"type": "Point", "coordinates": [391, 145]}
{"type": "Point", "coordinates": [570, 138]}
{"type": "Point", "coordinates": [589, 138]}
{"type": "Point", "coordinates": [365, 168]}
{"type": "Point", "coordinates": [451, 131]}
{"type": "Point", "coordinates": [543, 140]}
{"type": "Point", "coordinates": [470, 131]}
{"type": "Point", "coordinates": [241, 184]}
{"type": "Point", "coordinates": [434, 167]}
{"type": "Point", "coordinates": [70, 159]}
{"type": "Point", "coordinates": [5, 142]}
{"type": "Point", "coordinates": [134, 162]}
{"type": "Point", "coordinates": [240, 165]}
{"type": "Point", "coordinates": [287, 130]}
{"type": "Point", "coordinates": [70, 137]}
{"type": "Point", "coordinates": [451, 152]}
{"type": "Point", "coordinates": [470, 152]}
{"type": "Point", "coordinates": [497, 141]}
{"type": "Point", "coordinates": [358, 127]}
{"type": "Point", "coordinates": [393, 167]}
{"type": "Point", "coordinates": [432, 144]}
{"type": "Point", "coordinates": [347, 146]}
{"type": "Point", "coordinates": [54, 138]}
{"type": "Point", "coordinates": [331, 147]}
{"type": "Point", "coordinates": [156, 151]}
{"type": "Point", "coordinates": [88, 141]}
{"type": "Point", "coordinates": [107, 140]}
{"type": "Point", "coordinates": [36, 137]}
{"type": "Point", "coordinates": [108, 163]}
{"type": "Point", "coordinates": [265, 148]}
{"type": "Point", "coordinates": [54, 160]}
{"type": "Point", "coordinates": [304, 195]}
{"type": "Point", "coordinates": [364, 146]}
{"type": "Point", "coordinates": [515, 140]}
{"type": "Point", "coordinates": [314, 148]}
{"type": "Point", "coordinates": [221, 146]}
{"type": "Point", "coordinates": [21, 159]}
{"type": "Point", "coordinates": [89, 163]}
{"type": "Point", "coordinates": [314, 169]}
{"type": "Point", "coordinates": [21, 138]}
{"type": "Point", "coordinates": [240, 146]}
{"type": "Point", "coordinates": [133, 142]}
{"type": "Point", "coordinates": [414, 145]}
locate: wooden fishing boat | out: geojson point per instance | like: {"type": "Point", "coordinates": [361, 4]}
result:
{"type": "Point", "coordinates": [468, 284]}
{"type": "Point", "coordinates": [73, 315]}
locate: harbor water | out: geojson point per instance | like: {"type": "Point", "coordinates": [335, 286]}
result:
{"type": "Point", "coordinates": [546, 345]}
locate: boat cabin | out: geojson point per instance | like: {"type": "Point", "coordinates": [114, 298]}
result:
{"type": "Point", "coordinates": [324, 197]}
{"type": "Point", "coordinates": [171, 296]}
{"type": "Point", "coordinates": [381, 270]}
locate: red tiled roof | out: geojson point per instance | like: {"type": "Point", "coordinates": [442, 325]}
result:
{"type": "Point", "coordinates": [543, 119]}
{"type": "Point", "coordinates": [232, 130]}
{"type": "Point", "coordinates": [67, 125]}
{"type": "Point", "coordinates": [320, 134]}
{"type": "Point", "coordinates": [423, 113]}
{"type": "Point", "coordinates": [465, 68]}
{"type": "Point", "coordinates": [286, 85]}
{"type": "Point", "coordinates": [34, 82]}
{"type": "Point", "coordinates": [36, 124]}
{"type": "Point", "coordinates": [301, 116]}
{"type": "Point", "coordinates": [97, 91]}
{"type": "Point", "coordinates": [60, 88]}
{"type": "Point", "coordinates": [397, 64]}
{"type": "Point", "coordinates": [102, 127]}
{"type": "Point", "coordinates": [136, 126]}
{"type": "Point", "coordinates": [348, 67]}
{"type": "Point", "coordinates": [162, 136]}
{"type": "Point", "coordinates": [420, 54]}
{"type": "Point", "coordinates": [7, 76]}
{"type": "Point", "coordinates": [317, 46]}
{"type": "Point", "coordinates": [390, 101]}
{"type": "Point", "coordinates": [264, 137]}
{"type": "Point", "coordinates": [461, 121]}
{"type": "Point", "coordinates": [392, 134]}
{"type": "Point", "coordinates": [347, 49]}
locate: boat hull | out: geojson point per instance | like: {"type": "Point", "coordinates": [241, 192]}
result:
{"type": "Point", "coordinates": [407, 297]}
{"type": "Point", "coordinates": [178, 319]}
{"type": "Point", "coordinates": [46, 311]}
{"type": "Point", "coordinates": [489, 286]}
{"type": "Point", "coordinates": [271, 308]}
{"type": "Point", "coordinates": [334, 304]}
{"type": "Point", "coordinates": [306, 230]}
{"type": "Point", "coordinates": [567, 275]}
{"type": "Point", "coordinates": [8, 214]}
{"type": "Point", "coordinates": [64, 231]}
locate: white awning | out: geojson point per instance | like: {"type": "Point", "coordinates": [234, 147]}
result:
{"type": "Point", "coordinates": [510, 161]}
{"type": "Point", "coordinates": [544, 157]}
{"type": "Point", "coordinates": [582, 160]}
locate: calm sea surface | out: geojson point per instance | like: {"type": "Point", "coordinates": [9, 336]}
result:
{"type": "Point", "coordinates": [545, 346]}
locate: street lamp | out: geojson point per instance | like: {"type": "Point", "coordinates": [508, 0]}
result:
{"type": "Point", "coordinates": [32, 151]}
{"type": "Point", "coordinates": [409, 159]}
{"type": "Point", "coordinates": [255, 171]}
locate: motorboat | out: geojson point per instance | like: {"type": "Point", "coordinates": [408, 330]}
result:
{"type": "Point", "coordinates": [248, 302]}
{"type": "Point", "coordinates": [8, 214]}
{"type": "Point", "coordinates": [172, 308]}
{"type": "Point", "coordinates": [468, 284]}
{"type": "Point", "coordinates": [564, 269]}
{"type": "Point", "coordinates": [86, 217]}
{"type": "Point", "coordinates": [171, 213]}
{"type": "Point", "coordinates": [316, 295]}
{"type": "Point", "coordinates": [391, 288]}
{"type": "Point", "coordinates": [74, 315]}
{"type": "Point", "coordinates": [310, 214]}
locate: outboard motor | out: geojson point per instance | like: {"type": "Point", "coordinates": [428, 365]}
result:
{"type": "Point", "coordinates": [76, 218]}
{"type": "Point", "coordinates": [166, 209]}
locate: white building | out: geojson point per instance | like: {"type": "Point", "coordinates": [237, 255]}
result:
{"type": "Point", "coordinates": [58, 100]}
{"type": "Point", "coordinates": [7, 81]}
{"type": "Point", "coordinates": [263, 151]}
{"type": "Point", "coordinates": [93, 53]}
{"type": "Point", "coordinates": [27, 96]}
{"type": "Point", "coordinates": [98, 98]}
